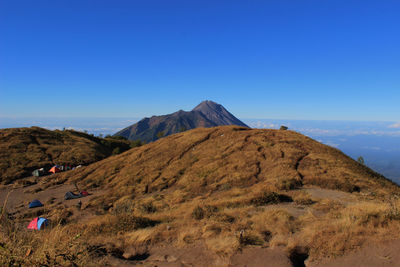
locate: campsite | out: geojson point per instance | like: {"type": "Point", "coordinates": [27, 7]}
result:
{"type": "Point", "coordinates": [28, 201]}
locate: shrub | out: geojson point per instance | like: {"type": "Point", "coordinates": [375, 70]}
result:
{"type": "Point", "coordinates": [128, 222]}
{"type": "Point", "coordinates": [289, 184]}
{"type": "Point", "coordinates": [123, 207]}
{"type": "Point", "coordinates": [225, 218]}
{"type": "Point", "coordinates": [267, 235]}
{"type": "Point", "coordinates": [360, 160]}
{"type": "Point", "coordinates": [304, 201]}
{"type": "Point", "coordinates": [136, 143]}
{"type": "Point", "coordinates": [393, 212]}
{"type": "Point", "coordinates": [148, 207]}
{"type": "Point", "coordinates": [250, 239]}
{"type": "Point", "coordinates": [331, 183]}
{"type": "Point", "coordinates": [116, 137]}
{"type": "Point", "coordinates": [206, 212]}
{"type": "Point", "coordinates": [210, 210]}
{"type": "Point", "coordinates": [198, 213]}
{"type": "Point", "coordinates": [270, 198]}
{"type": "Point", "coordinates": [116, 151]}
{"type": "Point", "coordinates": [160, 134]}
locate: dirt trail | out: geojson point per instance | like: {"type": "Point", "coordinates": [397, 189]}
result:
{"type": "Point", "coordinates": [260, 257]}
{"type": "Point", "coordinates": [199, 256]}
{"type": "Point", "coordinates": [331, 194]}
{"type": "Point", "coordinates": [379, 254]}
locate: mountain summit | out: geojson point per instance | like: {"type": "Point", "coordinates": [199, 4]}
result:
{"type": "Point", "coordinates": [217, 114]}
{"type": "Point", "coordinates": [206, 114]}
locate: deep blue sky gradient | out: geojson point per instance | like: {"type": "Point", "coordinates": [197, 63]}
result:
{"type": "Point", "coordinates": [284, 59]}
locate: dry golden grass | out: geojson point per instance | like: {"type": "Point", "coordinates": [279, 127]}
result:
{"type": "Point", "coordinates": [349, 228]}
{"type": "Point", "coordinates": [23, 150]}
{"type": "Point", "coordinates": [221, 186]}
{"type": "Point", "coordinates": [303, 198]}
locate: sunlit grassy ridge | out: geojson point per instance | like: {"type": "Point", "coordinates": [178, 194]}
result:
{"type": "Point", "coordinates": [24, 149]}
{"type": "Point", "coordinates": [205, 161]}
{"type": "Point", "coordinates": [227, 187]}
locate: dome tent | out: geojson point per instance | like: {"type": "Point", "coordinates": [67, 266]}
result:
{"type": "Point", "coordinates": [54, 169]}
{"type": "Point", "coordinates": [35, 203]}
{"type": "Point", "coordinates": [38, 223]}
{"type": "Point", "coordinates": [38, 172]}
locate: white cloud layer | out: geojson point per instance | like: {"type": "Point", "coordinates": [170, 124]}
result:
{"type": "Point", "coordinates": [392, 130]}
{"type": "Point", "coordinates": [395, 125]}
{"type": "Point", "coordinates": [260, 125]}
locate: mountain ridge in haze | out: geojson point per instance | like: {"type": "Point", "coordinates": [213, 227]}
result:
{"type": "Point", "coordinates": [207, 114]}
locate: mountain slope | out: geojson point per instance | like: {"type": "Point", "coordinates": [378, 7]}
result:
{"type": "Point", "coordinates": [24, 149]}
{"type": "Point", "coordinates": [206, 114]}
{"type": "Point", "coordinates": [240, 157]}
{"type": "Point", "coordinates": [213, 192]}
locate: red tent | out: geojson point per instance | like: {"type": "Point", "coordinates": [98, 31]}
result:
{"type": "Point", "coordinates": [33, 224]}
{"type": "Point", "coordinates": [54, 169]}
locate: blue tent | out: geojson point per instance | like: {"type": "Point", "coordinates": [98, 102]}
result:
{"type": "Point", "coordinates": [42, 222]}
{"type": "Point", "coordinates": [35, 203]}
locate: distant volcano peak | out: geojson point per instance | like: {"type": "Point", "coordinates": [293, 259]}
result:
{"type": "Point", "coordinates": [206, 114]}
{"type": "Point", "coordinates": [208, 105]}
{"type": "Point", "coordinates": [217, 113]}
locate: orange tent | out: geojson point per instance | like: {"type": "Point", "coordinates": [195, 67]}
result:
{"type": "Point", "coordinates": [54, 169]}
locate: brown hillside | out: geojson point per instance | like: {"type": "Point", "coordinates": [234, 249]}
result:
{"type": "Point", "coordinates": [223, 196]}
{"type": "Point", "coordinates": [24, 149]}
{"type": "Point", "coordinates": [214, 159]}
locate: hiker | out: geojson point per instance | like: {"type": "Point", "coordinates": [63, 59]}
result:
{"type": "Point", "coordinates": [71, 195]}
{"type": "Point", "coordinates": [79, 205]}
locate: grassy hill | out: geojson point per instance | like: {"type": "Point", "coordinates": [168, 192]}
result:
{"type": "Point", "coordinates": [206, 160]}
{"type": "Point", "coordinates": [23, 150]}
{"type": "Point", "coordinates": [223, 189]}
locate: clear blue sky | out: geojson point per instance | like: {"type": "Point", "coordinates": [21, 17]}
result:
{"type": "Point", "coordinates": [294, 59]}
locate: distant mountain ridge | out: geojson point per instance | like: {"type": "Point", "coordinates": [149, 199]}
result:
{"type": "Point", "coordinates": [206, 114]}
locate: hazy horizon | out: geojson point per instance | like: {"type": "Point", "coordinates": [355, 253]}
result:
{"type": "Point", "coordinates": [351, 127]}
